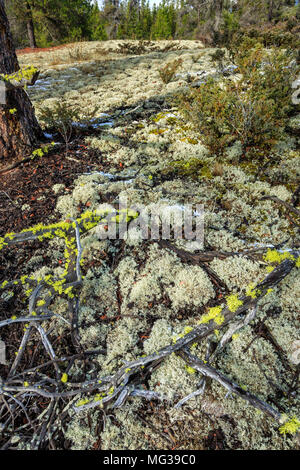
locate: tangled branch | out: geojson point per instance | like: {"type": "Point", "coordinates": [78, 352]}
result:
{"type": "Point", "coordinates": [18, 388]}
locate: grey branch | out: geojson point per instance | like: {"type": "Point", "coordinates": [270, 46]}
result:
{"type": "Point", "coordinates": [231, 386]}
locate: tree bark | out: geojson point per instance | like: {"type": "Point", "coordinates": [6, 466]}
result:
{"type": "Point", "coordinates": [31, 35]}
{"type": "Point", "coordinates": [19, 129]}
{"type": "Point", "coordinates": [30, 28]}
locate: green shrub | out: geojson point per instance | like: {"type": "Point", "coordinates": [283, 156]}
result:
{"type": "Point", "coordinates": [268, 38]}
{"type": "Point", "coordinates": [60, 117]}
{"type": "Point", "coordinates": [100, 34]}
{"type": "Point", "coordinates": [253, 108]}
{"type": "Point", "coordinates": [167, 72]}
{"type": "Point", "coordinates": [219, 58]}
{"type": "Point", "coordinates": [230, 27]}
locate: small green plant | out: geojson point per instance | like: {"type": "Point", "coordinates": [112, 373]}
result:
{"type": "Point", "coordinates": [42, 151]}
{"type": "Point", "coordinates": [62, 118]}
{"type": "Point", "coordinates": [219, 57]}
{"type": "Point", "coordinates": [194, 167]}
{"type": "Point", "coordinates": [167, 72]}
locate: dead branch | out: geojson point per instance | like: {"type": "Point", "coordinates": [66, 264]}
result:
{"type": "Point", "coordinates": [232, 387]}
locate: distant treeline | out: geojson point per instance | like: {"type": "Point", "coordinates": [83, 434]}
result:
{"type": "Point", "coordinates": [45, 23]}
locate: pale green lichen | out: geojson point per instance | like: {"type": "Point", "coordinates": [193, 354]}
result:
{"type": "Point", "coordinates": [192, 287]}
{"type": "Point", "coordinates": [172, 379]}
{"type": "Point", "coordinates": [161, 336]}
{"type": "Point", "coordinates": [237, 272]}
{"type": "Point", "coordinates": [80, 433]}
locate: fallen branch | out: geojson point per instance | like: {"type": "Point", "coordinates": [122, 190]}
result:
{"type": "Point", "coordinates": [231, 386]}
{"type": "Point", "coordinates": [113, 390]}
{"type": "Point", "coordinates": [145, 365]}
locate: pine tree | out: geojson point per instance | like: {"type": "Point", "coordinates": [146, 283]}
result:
{"type": "Point", "coordinates": [145, 19]}
{"type": "Point", "coordinates": [53, 20]}
{"type": "Point", "coordinates": [164, 26]}
{"type": "Point", "coordinates": [97, 24]}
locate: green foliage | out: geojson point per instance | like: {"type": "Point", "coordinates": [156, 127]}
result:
{"type": "Point", "coordinates": [54, 21]}
{"type": "Point", "coordinates": [167, 72]}
{"type": "Point", "coordinates": [97, 24]}
{"type": "Point", "coordinates": [208, 108]}
{"type": "Point", "coordinates": [230, 27]}
{"type": "Point", "coordinates": [274, 37]}
{"type": "Point", "coordinates": [57, 21]}
{"type": "Point", "coordinates": [252, 109]}
{"type": "Point", "coordinates": [194, 167]}
{"type": "Point", "coordinates": [219, 57]}
{"type": "Point", "coordinates": [99, 33]}
{"type": "Point", "coordinates": [164, 25]}
{"type": "Point", "coordinates": [136, 20]}
{"type": "Point", "coordinates": [60, 117]}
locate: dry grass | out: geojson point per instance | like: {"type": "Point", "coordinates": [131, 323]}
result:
{"type": "Point", "coordinates": [218, 169]}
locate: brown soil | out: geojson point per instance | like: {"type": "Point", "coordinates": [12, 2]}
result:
{"type": "Point", "coordinates": [29, 50]}
{"type": "Point", "coordinates": [31, 184]}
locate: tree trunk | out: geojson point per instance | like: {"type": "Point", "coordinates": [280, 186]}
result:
{"type": "Point", "coordinates": [31, 35]}
{"type": "Point", "coordinates": [19, 129]}
{"type": "Point", "coordinates": [217, 9]}
{"type": "Point", "coordinates": [30, 27]}
{"type": "Point", "coordinates": [270, 10]}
